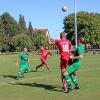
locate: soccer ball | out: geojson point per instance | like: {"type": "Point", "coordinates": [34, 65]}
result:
{"type": "Point", "coordinates": [64, 8]}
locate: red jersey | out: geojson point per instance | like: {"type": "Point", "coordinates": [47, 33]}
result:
{"type": "Point", "coordinates": [44, 53]}
{"type": "Point", "coordinates": [64, 47]}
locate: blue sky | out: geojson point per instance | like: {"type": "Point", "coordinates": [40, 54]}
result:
{"type": "Point", "coordinates": [46, 13]}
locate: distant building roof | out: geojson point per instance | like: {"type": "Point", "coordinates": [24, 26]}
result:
{"type": "Point", "coordinates": [45, 31]}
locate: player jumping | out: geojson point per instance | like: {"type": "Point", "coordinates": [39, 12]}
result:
{"type": "Point", "coordinates": [64, 47]}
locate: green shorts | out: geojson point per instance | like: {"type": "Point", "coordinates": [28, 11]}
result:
{"type": "Point", "coordinates": [74, 67]}
{"type": "Point", "coordinates": [23, 67]}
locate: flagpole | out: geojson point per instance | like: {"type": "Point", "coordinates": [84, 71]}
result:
{"type": "Point", "coordinates": [75, 23]}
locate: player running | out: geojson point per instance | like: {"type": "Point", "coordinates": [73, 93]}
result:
{"type": "Point", "coordinates": [23, 60]}
{"type": "Point", "coordinates": [64, 47]}
{"type": "Point", "coordinates": [44, 53]}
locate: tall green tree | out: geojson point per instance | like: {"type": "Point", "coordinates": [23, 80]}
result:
{"type": "Point", "coordinates": [30, 29]}
{"type": "Point", "coordinates": [2, 30]}
{"type": "Point", "coordinates": [21, 25]}
{"type": "Point", "coordinates": [8, 24]}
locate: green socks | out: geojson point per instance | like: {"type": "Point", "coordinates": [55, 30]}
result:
{"type": "Point", "coordinates": [74, 79]}
{"type": "Point", "coordinates": [68, 80]}
{"type": "Point", "coordinates": [18, 74]}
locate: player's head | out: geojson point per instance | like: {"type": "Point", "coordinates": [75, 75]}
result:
{"type": "Point", "coordinates": [41, 48]}
{"type": "Point", "coordinates": [62, 35]}
{"type": "Point", "coordinates": [82, 40]}
{"type": "Point", "coordinates": [46, 47]}
{"type": "Point", "coordinates": [25, 50]}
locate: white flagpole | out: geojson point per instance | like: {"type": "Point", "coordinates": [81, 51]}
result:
{"type": "Point", "coordinates": [75, 22]}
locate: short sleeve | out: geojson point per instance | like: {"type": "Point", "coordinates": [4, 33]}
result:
{"type": "Point", "coordinates": [27, 54]}
{"type": "Point", "coordinates": [80, 49]}
{"type": "Point", "coordinates": [57, 42]}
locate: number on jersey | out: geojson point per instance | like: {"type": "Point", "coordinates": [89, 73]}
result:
{"type": "Point", "coordinates": [65, 47]}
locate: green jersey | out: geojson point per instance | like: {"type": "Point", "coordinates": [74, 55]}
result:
{"type": "Point", "coordinates": [77, 62]}
{"type": "Point", "coordinates": [24, 58]}
{"type": "Point", "coordinates": [79, 50]}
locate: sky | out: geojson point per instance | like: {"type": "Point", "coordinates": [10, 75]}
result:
{"type": "Point", "coordinates": [46, 13]}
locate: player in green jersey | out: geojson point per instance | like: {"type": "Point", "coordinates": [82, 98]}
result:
{"type": "Point", "coordinates": [75, 66]}
{"type": "Point", "coordinates": [23, 61]}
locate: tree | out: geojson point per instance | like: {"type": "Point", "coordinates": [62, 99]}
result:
{"type": "Point", "coordinates": [13, 35]}
{"type": "Point", "coordinates": [88, 26]}
{"type": "Point", "coordinates": [30, 29]}
{"type": "Point", "coordinates": [3, 44]}
{"type": "Point", "coordinates": [39, 39]}
{"type": "Point", "coordinates": [21, 25]}
{"type": "Point", "coordinates": [22, 40]}
{"type": "Point", "coordinates": [8, 24]}
{"type": "Point", "coordinates": [2, 30]}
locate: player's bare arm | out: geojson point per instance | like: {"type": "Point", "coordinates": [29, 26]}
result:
{"type": "Point", "coordinates": [50, 52]}
{"type": "Point", "coordinates": [76, 57]}
{"type": "Point", "coordinates": [38, 52]}
{"type": "Point", "coordinates": [17, 60]}
{"type": "Point", "coordinates": [49, 40]}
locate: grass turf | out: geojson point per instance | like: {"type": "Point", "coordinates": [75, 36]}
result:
{"type": "Point", "coordinates": [43, 85]}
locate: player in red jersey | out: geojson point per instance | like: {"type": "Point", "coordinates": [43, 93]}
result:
{"type": "Point", "coordinates": [64, 47]}
{"type": "Point", "coordinates": [44, 53]}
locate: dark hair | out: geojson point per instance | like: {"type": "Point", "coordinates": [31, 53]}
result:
{"type": "Point", "coordinates": [82, 40]}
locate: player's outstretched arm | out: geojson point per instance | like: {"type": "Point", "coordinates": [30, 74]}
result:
{"type": "Point", "coordinates": [49, 40]}
{"type": "Point", "coordinates": [50, 52]}
{"type": "Point", "coordinates": [38, 52]}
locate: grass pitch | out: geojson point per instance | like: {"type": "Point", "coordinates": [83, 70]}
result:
{"type": "Point", "coordinates": [43, 85]}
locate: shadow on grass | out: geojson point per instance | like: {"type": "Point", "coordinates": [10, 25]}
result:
{"type": "Point", "coordinates": [44, 86]}
{"type": "Point", "coordinates": [10, 76]}
{"type": "Point", "coordinates": [14, 77]}
{"type": "Point", "coordinates": [33, 71]}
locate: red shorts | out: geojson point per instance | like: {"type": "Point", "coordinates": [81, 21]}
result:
{"type": "Point", "coordinates": [43, 61]}
{"type": "Point", "coordinates": [64, 62]}
{"type": "Point", "coordinates": [70, 62]}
